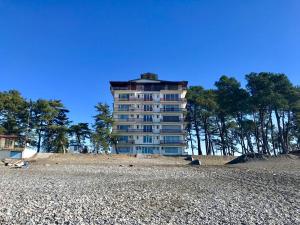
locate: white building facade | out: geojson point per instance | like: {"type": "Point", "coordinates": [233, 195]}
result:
{"type": "Point", "coordinates": [149, 116]}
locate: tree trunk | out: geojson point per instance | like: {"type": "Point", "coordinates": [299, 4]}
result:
{"type": "Point", "coordinates": [265, 146]}
{"type": "Point", "coordinates": [198, 139]}
{"type": "Point", "coordinates": [280, 138]}
{"type": "Point", "coordinates": [39, 141]}
{"type": "Point", "coordinates": [205, 125]}
{"type": "Point", "coordinates": [223, 145]}
{"type": "Point", "coordinates": [256, 134]}
{"type": "Point", "coordinates": [272, 132]}
{"type": "Point", "coordinates": [191, 140]}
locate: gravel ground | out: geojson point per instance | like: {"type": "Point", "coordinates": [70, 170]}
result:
{"type": "Point", "coordinates": [147, 192]}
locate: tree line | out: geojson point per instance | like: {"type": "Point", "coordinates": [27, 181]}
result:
{"type": "Point", "coordinates": [45, 124]}
{"type": "Point", "coordinates": [263, 117]}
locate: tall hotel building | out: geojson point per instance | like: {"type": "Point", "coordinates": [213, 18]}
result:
{"type": "Point", "coordinates": [149, 116]}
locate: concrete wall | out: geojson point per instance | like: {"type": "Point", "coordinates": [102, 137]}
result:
{"type": "Point", "coordinates": [4, 154]}
{"type": "Point", "coordinates": [28, 153]}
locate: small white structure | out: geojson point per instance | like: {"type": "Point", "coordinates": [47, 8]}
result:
{"type": "Point", "coordinates": [10, 148]}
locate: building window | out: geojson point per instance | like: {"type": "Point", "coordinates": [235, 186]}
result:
{"type": "Point", "coordinates": [148, 97]}
{"type": "Point", "coordinates": [148, 108]}
{"type": "Point", "coordinates": [123, 127]}
{"type": "Point", "coordinates": [123, 138]}
{"type": "Point", "coordinates": [171, 128]}
{"type": "Point", "coordinates": [123, 107]}
{"type": "Point", "coordinates": [171, 108]}
{"type": "Point", "coordinates": [148, 118]}
{"type": "Point", "coordinates": [171, 97]}
{"type": "Point", "coordinates": [123, 150]}
{"type": "Point", "coordinates": [147, 128]}
{"type": "Point", "coordinates": [171, 139]}
{"type": "Point", "coordinates": [124, 97]}
{"type": "Point", "coordinates": [171, 150]}
{"type": "Point", "coordinates": [8, 143]}
{"type": "Point", "coordinates": [171, 118]}
{"type": "Point", "coordinates": [148, 150]}
{"type": "Point", "coordinates": [123, 117]}
{"type": "Point", "coordinates": [147, 139]}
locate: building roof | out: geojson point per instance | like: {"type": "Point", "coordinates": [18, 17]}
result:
{"type": "Point", "coordinates": [146, 79]}
{"type": "Point", "coordinates": [8, 136]}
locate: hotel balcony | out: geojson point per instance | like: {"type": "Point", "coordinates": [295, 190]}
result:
{"type": "Point", "coordinates": [173, 100]}
{"type": "Point", "coordinates": [126, 142]}
{"type": "Point", "coordinates": [132, 120]}
{"type": "Point", "coordinates": [179, 110]}
{"type": "Point", "coordinates": [136, 131]}
{"type": "Point", "coordinates": [135, 99]}
{"type": "Point", "coordinates": [172, 121]}
{"type": "Point", "coordinates": [179, 142]}
{"type": "Point", "coordinates": [172, 131]}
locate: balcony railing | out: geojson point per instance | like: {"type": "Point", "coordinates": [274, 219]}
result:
{"type": "Point", "coordinates": [171, 121]}
{"type": "Point", "coordinates": [179, 142]}
{"type": "Point", "coordinates": [130, 130]}
{"type": "Point", "coordinates": [126, 142]}
{"type": "Point", "coordinates": [171, 131]}
{"type": "Point", "coordinates": [135, 99]}
{"type": "Point", "coordinates": [129, 120]}
{"type": "Point", "coordinates": [173, 100]}
{"type": "Point", "coordinates": [172, 110]}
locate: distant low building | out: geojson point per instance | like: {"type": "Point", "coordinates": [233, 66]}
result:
{"type": "Point", "coordinates": [11, 148]}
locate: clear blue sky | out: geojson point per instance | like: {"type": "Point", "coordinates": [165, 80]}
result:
{"type": "Point", "coordinates": [69, 50]}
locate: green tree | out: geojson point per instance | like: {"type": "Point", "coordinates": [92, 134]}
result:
{"type": "Point", "coordinates": [81, 131]}
{"type": "Point", "coordinates": [43, 113]}
{"type": "Point", "coordinates": [14, 113]}
{"type": "Point", "coordinates": [193, 108]}
{"type": "Point", "coordinates": [101, 137]}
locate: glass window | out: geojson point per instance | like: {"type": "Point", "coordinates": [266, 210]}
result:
{"type": "Point", "coordinates": [123, 127]}
{"type": "Point", "coordinates": [171, 97]}
{"type": "Point", "coordinates": [171, 150]}
{"type": "Point", "coordinates": [123, 117]}
{"type": "Point", "coordinates": [148, 118]}
{"type": "Point", "coordinates": [124, 97]}
{"type": "Point", "coordinates": [123, 150]}
{"type": "Point", "coordinates": [123, 138]}
{"type": "Point", "coordinates": [147, 139]}
{"type": "Point", "coordinates": [171, 108]}
{"type": "Point", "coordinates": [148, 108]}
{"type": "Point", "coordinates": [8, 143]}
{"type": "Point", "coordinates": [148, 97]}
{"type": "Point", "coordinates": [148, 150]}
{"type": "Point", "coordinates": [171, 139]}
{"type": "Point", "coordinates": [171, 118]}
{"type": "Point", "coordinates": [147, 128]}
{"type": "Point", "coordinates": [123, 107]}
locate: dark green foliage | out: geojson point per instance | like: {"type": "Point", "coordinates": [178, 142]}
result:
{"type": "Point", "coordinates": [43, 123]}
{"type": "Point", "coordinates": [101, 137]}
{"type": "Point", "coordinates": [81, 131]}
{"type": "Point", "coordinates": [263, 118]}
